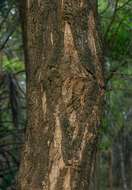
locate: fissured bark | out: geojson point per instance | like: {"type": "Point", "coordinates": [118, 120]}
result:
{"type": "Point", "coordinates": [65, 89]}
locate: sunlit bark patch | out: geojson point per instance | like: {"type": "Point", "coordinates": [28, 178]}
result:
{"type": "Point", "coordinates": [69, 45]}
{"type": "Point", "coordinates": [62, 4]}
{"type": "Point", "coordinates": [83, 144]}
{"type": "Point", "coordinates": [44, 103]}
{"type": "Point", "coordinates": [74, 124]}
{"type": "Point", "coordinates": [39, 2]}
{"type": "Point", "coordinates": [81, 3]}
{"type": "Point", "coordinates": [67, 179]}
{"type": "Point", "coordinates": [91, 34]}
{"type": "Point", "coordinates": [67, 90]}
{"type": "Point", "coordinates": [29, 2]}
{"type": "Point", "coordinates": [95, 47]}
{"type": "Point", "coordinates": [51, 38]}
{"type": "Point", "coordinates": [56, 153]}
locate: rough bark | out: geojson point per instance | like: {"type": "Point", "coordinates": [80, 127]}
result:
{"type": "Point", "coordinates": [65, 88]}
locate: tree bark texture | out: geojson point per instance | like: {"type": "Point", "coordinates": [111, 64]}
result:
{"type": "Point", "coordinates": [65, 89]}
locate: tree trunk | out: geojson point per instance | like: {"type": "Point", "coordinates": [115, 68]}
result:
{"type": "Point", "coordinates": [65, 89]}
{"type": "Point", "coordinates": [110, 173]}
{"type": "Point", "coordinates": [123, 174]}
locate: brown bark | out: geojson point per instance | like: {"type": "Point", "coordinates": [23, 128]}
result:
{"type": "Point", "coordinates": [65, 89]}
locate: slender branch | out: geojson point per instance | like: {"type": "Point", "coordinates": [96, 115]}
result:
{"type": "Point", "coordinates": [19, 72]}
{"type": "Point", "coordinates": [7, 38]}
{"type": "Point", "coordinates": [112, 20]}
{"type": "Point", "coordinates": [112, 42]}
{"type": "Point", "coordinates": [15, 25]}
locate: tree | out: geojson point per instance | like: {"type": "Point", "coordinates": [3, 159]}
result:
{"type": "Point", "coordinates": [65, 90]}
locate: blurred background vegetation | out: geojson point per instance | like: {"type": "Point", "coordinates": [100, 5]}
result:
{"type": "Point", "coordinates": [114, 157]}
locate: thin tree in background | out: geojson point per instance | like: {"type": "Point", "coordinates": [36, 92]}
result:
{"type": "Point", "coordinates": [65, 90]}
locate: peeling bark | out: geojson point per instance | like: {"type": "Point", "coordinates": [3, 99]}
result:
{"type": "Point", "coordinates": [65, 89]}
